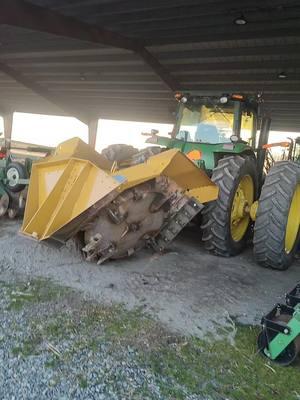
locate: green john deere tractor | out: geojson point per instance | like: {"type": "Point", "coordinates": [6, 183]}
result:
{"type": "Point", "coordinates": [14, 176]}
{"type": "Point", "coordinates": [219, 134]}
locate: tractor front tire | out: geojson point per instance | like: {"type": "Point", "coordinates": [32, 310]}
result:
{"type": "Point", "coordinates": [222, 235]}
{"type": "Point", "coordinates": [277, 225]}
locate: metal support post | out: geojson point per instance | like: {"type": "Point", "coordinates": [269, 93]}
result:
{"type": "Point", "coordinates": [93, 126]}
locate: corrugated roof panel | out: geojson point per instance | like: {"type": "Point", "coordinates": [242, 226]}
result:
{"type": "Point", "coordinates": [197, 42]}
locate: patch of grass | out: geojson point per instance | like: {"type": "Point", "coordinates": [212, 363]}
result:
{"type": "Point", "coordinates": [213, 369]}
{"type": "Point", "coordinates": [221, 370]}
{"type": "Point", "coordinates": [122, 325]}
{"type": "Point", "coordinates": [82, 381]}
{"type": "Point", "coordinates": [16, 350]}
{"type": "Point", "coordinates": [28, 347]}
{"type": "Point", "coordinates": [59, 326]}
{"type": "Point", "coordinates": [34, 291]}
{"type": "Point", "coordinates": [52, 362]}
{"type": "Point", "coordinates": [216, 369]}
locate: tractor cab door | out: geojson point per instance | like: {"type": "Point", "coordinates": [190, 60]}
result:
{"type": "Point", "coordinates": [248, 128]}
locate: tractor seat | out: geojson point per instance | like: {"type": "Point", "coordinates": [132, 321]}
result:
{"type": "Point", "coordinates": [207, 133]}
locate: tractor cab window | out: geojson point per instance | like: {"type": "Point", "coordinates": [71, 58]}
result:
{"type": "Point", "coordinates": [211, 125]}
{"type": "Point", "coordinates": [205, 124]}
{"type": "Point", "coordinates": [247, 127]}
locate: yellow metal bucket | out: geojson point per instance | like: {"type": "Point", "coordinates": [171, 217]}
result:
{"type": "Point", "coordinates": [68, 189]}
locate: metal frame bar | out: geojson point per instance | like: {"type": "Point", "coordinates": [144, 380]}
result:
{"type": "Point", "coordinates": [38, 89]}
{"type": "Point", "coordinates": [8, 126]}
{"type": "Point", "coordinates": [25, 15]}
{"type": "Point", "coordinates": [93, 126]}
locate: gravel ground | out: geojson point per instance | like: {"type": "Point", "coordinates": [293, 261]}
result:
{"type": "Point", "coordinates": [55, 349]}
{"type": "Point", "coordinates": [74, 330]}
{"type": "Point", "coordinates": [54, 344]}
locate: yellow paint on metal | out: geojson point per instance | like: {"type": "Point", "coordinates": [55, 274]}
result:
{"type": "Point", "coordinates": [293, 223]}
{"type": "Point", "coordinates": [76, 148]}
{"type": "Point", "coordinates": [243, 199]}
{"type": "Point", "coordinates": [176, 166]}
{"type": "Point", "coordinates": [253, 210]}
{"type": "Point", "coordinates": [59, 191]}
{"type": "Point", "coordinates": [62, 188]}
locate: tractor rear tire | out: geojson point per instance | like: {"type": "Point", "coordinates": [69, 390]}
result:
{"type": "Point", "coordinates": [217, 216]}
{"type": "Point", "coordinates": [119, 152]}
{"type": "Point", "coordinates": [278, 214]}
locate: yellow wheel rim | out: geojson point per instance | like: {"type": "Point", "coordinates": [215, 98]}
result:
{"type": "Point", "coordinates": [293, 222]}
{"type": "Point", "coordinates": [242, 201]}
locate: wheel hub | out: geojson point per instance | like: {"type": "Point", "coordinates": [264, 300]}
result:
{"type": "Point", "coordinates": [13, 176]}
{"type": "Point", "coordinates": [241, 205]}
{"type": "Point", "coordinates": [293, 223]}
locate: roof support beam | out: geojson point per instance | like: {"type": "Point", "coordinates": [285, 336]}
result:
{"type": "Point", "coordinates": [8, 126]}
{"type": "Point", "coordinates": [29, 16]}
{"type": "Point", "coordinates": [228, 52]}
{"type": "Point", "coordinates": [159, 69]}
{"type": "Point", "coordinates": [3, 110]}
{"type": "Point", "coordinates": [195, 35]}
{"type": "Point", "coordinates": [248, 66]}
{"type": "Point", "coordinates": [145, 9]}
{"type": "Point", "coordinates": [212, 22]}
{"type": "Point", "coordinates": [93, 127]}
{"type": "Point", "coordinates": [38, 89]}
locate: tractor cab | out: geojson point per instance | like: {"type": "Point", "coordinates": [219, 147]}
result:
{"type": "Point", "coordinates": [207, 128]}
{"type": "Point", "coordinates": [215, 120]}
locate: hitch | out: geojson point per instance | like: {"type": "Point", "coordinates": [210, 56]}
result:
{"type": "Point", "coordinates": [279, 339]}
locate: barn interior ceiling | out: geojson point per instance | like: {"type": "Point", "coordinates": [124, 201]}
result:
{"type": "Point", "coordinates": [125, 59]}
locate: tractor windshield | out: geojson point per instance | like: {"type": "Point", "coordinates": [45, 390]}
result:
{"type": "Point", "coordinates": [212, 125]}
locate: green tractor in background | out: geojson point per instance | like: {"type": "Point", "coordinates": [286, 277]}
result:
{"type": "Point", "coordinates": [14, 175]}
{"type": "Point", "coordinates": [219, 134]}
{"type": "Point", "coordinates": [14, 178]}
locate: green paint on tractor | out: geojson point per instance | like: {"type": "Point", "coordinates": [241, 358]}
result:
{"type": "Point", "coordinates": [210, 153]}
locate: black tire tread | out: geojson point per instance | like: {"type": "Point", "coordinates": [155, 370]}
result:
{"type": "Point", "coordinates": [215, 215]}
{"type": "Point", "coordinates": [272, 215]}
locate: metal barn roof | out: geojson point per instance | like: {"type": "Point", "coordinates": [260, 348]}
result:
{"type": "Point", "coordinates": [124, 59]}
